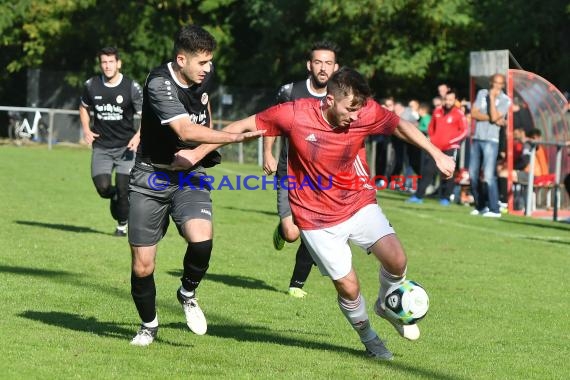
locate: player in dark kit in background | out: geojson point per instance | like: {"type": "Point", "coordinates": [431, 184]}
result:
{"type": "Point", "coordinates": [175, 117]}
{"type": "Point", "coordinates": [321, 64]}
{"type": "Point", "coordinates": [114, 99]}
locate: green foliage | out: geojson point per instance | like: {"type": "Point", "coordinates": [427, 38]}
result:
{"type": "Point", "coordinates": [35, 27]}
{"type": "Point", "coordinates": [403, 46]}
{"type": "Point", "coordinates": [399, 40]}
{"type": "Point", "coordinates": [536, 32]}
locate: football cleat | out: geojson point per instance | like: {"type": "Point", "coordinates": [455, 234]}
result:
{"type": "Point", "coordinates": [145, 336]}
{"type": "Point", "coordinates": [121, 230]}
{"type": "Point", "coordinates": [297, 292]}
{"type": "Point", "coordinates": [376, 349]}
{"type": "Point", "coordinates": [195, 318]}
{"type": "Point", "coordinates": [410, 332]}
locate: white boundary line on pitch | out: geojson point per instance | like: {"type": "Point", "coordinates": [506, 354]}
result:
{"type": "Point", "coordinates": [472, 227]}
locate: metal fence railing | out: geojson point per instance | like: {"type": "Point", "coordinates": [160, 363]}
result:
{"type": "Point", "coordinates": [250, 152]}
{"type": "Point", "coordinates": [557, 178]}
{"type": "Point", "coordinates": [51, 112]}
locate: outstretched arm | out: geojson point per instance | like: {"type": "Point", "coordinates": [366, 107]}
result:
{"type": "Point", "coordinates": [409, 133]}
{"type": "Point", "coordinates": [190, 132]}
{"type": "Point", "coordinates": [239, 131]}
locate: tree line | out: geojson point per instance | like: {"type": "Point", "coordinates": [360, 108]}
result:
{"type": "Point", "coordinates": [404, 47]}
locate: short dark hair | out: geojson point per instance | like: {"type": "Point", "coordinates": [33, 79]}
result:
{"type": "Point", "coordinates": [348, 81]}
{"type": "Point", "coordinates": [324, 45]}
{"type": "Point", "coordinates": [193, 39]}
{"type": "Point", "coordinates": [535, 132]}
{"type": "Point", "coordinates": [452, 91]}
{"type": "Point", "coordinates": [109, 50]}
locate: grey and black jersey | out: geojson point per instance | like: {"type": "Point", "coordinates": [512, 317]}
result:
{"type": "Point", "coordinates": [288, 93]}
{"type": "Point", "coordinates": [167, 99]}
{"type": "Point", "coordinates": [114, 107]}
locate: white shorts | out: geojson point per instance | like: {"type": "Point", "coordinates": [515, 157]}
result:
{"type": "Point", "coordinates": [329, 246]}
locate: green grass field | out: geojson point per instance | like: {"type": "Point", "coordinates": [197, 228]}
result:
{"type": "Point", "coordinates": [499, 290]}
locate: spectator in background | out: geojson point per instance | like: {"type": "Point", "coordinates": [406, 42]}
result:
{"type": "Point", "coordinates": [521, 159]}
{"type": "Point", "coordinates": [397, 164]}
{"type": "Point", "coordinates": [413, 155]}
{"type": "Point", "coordinates": [489, 110]}
{"type": "Point", "coordinates": [466, 109]}
{"type": "Point", "coordinates": [446, 131]}
{"type": "Point", "coordinates": [541, 168]}
{"type": "Point", "coordinates": [425, 118]}
{"type": "Point", "coordinates": [437, 101]}
{"type": "Point", "coordinates": [442, 90]}
{"type": "Point", "coordinates": [388, 103]}
{"type": "Point", "coordinates": [502, 161]}
{"type": "Point", "coordinates": [416, 156]}
{"type": "Point", "coordinates": [415, 107]}
{"type": "Point", "coordinates": [114, 100]}
{"type": "Point", "coordinates": [384, 151]}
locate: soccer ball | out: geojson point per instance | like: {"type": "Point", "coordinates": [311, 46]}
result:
{"type": "Point", "coordinates": [407, 302]}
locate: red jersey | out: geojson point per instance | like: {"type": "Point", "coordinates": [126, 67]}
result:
{"type": "Point", "coordinates": [517, 150]}
{"type": "Point", "coordinates": [322, 159]}
{"type": "Point", "coordinates": [447, 130]}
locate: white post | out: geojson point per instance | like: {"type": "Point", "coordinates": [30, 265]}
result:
{"type": "Point", "coordinates": [557, 175]}
{"type": "Point", "coordinates": [260, 151]}
{"type": "Point", "coordinates": [50, 128]}
{"type": "Point", "coordinates": [529, 188]}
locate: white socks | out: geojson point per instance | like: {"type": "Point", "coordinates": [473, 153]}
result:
{"type": "Point", "coordinates": [153, 323]}
{"type": "Point", "coordinates": [355, 313]}
{"type": "Point", "coordinates": [186, 293]}
{"type": "Point", "coordinates": [387, 279]}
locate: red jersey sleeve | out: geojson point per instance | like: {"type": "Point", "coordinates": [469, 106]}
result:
{"type": "Point", "coordinates": [384, 122]}
{"type": "Point", "coordinates": [276, 120]}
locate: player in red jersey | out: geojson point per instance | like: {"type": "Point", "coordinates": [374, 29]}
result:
{"type": "Point", "coordinates": [326, 136]}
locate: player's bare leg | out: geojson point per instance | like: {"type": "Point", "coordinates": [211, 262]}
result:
{"type": "Point", "coordinates": [286, 231]}
{"type": "Point", "coordinates": [290, 230]}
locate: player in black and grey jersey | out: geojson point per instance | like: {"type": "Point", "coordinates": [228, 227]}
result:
{"type": "Point", "coordinates": [321, 63]}
{"type": "Point", "coordinates": [175, 118]}
{"type": "Point", "coordinates": [114, 99]}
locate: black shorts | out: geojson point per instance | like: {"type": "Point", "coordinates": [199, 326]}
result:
{"type": "Point", "coordinates": [283, 206]}
{"type": "Point", "coordinates": [152, 205]}
{"type": "Point", "coordinates": [104, 160]}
